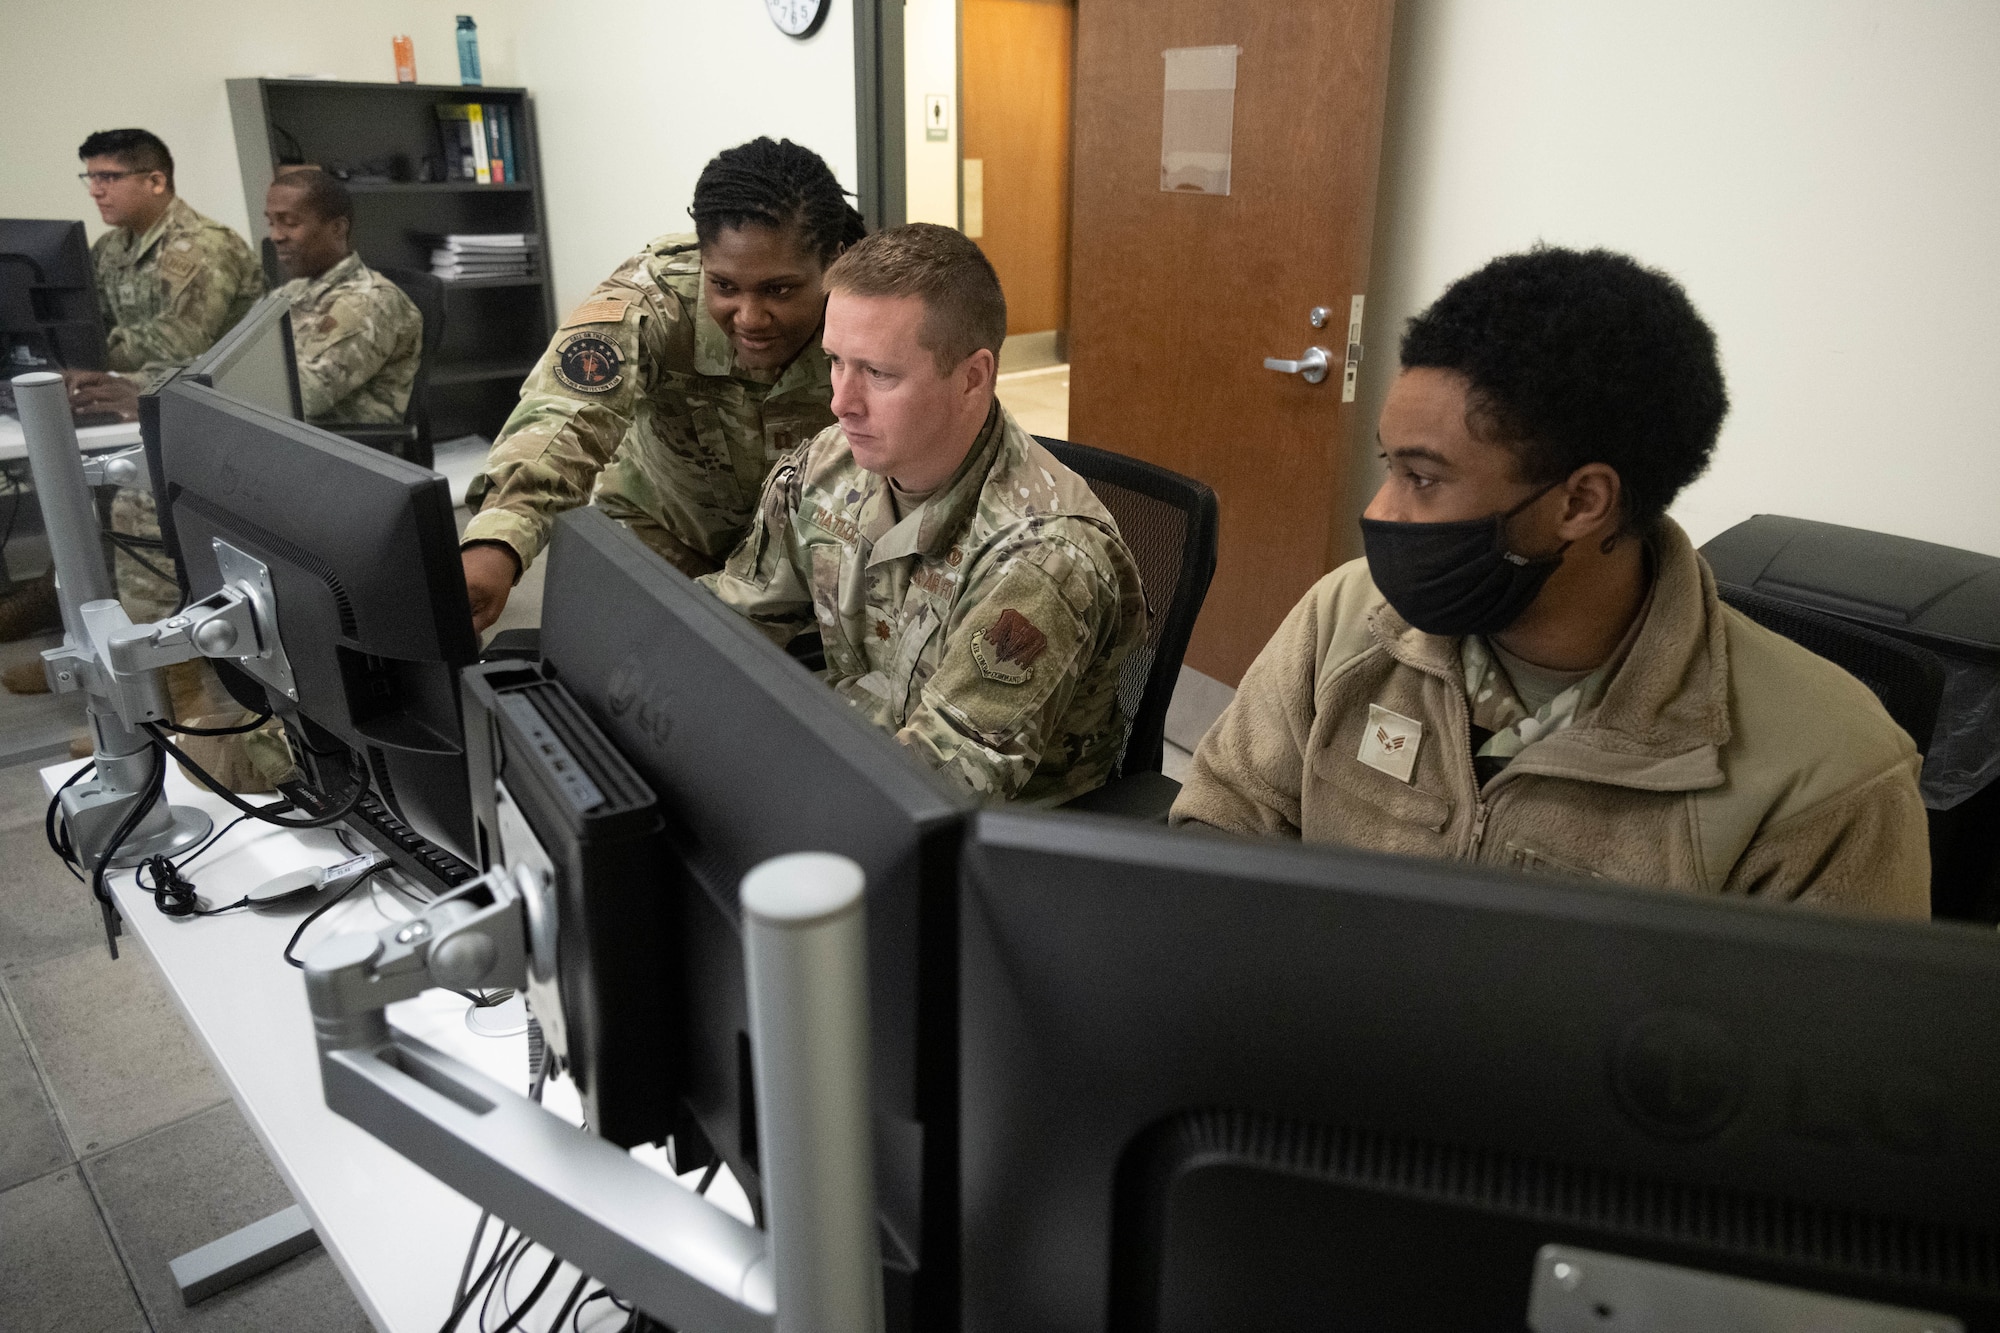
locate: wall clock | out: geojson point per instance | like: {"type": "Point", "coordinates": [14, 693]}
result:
{"type": "Point", "coordinates": [797, 18]}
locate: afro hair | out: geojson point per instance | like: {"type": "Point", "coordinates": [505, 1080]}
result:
{"type": "Point", "coordinates": [1578, 357]}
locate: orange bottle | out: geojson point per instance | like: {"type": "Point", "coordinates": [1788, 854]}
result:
{"type": "Point", "coordinates": [406, 60]}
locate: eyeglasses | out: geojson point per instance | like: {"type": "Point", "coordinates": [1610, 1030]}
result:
{"type": "Point", "coordinates": [107, 177]}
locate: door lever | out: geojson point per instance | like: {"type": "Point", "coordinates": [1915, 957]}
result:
{"type": "Point", "coordinates": [1311, 365]}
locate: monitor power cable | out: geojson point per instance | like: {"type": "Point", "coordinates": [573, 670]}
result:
{"type": "Point", "coordinates": [346, 808]}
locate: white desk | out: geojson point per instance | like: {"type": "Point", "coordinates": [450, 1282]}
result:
{"type": "Point", "coordinates": [90, 439]}
{"type": "Point", "coordinates": [397, 1234]}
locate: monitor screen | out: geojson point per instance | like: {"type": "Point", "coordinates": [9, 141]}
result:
{"type": "Point", "coordinates": [49, 318]}
{"type": "Point", "coordinates": [1212, 1084]}
{"type": "Point", "coordinates": [752, 756]}
{"type": "Point", "coordinates": [254, 362]}
{"type": "Point", "coordinates": [362, 557]}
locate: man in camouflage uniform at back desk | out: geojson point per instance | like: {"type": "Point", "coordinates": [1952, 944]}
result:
{"type": "Point", "coordinates": [357, 337]}
{"type": "Point", "coordinates": [975, 599]}
{"type": "Point", "coordinates": [170, 282]}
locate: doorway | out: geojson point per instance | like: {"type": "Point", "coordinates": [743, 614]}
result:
{"type": "Point", "coordinates": [1018, 60]}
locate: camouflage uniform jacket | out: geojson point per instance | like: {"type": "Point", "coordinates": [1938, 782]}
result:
{"type": "Point", "coordinates": [986, 629]}
{"type": "Point", "coordinates": [642, 384]}
{"type": "Point", "coordinates": [358, 339]}
{"type": "Point", "coordinates": [170, 292]}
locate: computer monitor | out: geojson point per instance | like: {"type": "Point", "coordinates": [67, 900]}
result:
{"type": "Point", "coordinates": [752, 756]}
{"type": "Point", "coordinates": [49, 318]}
{"type": "Point", "coordinates": [362, 556]}
{"type": "Point", "coordinates": [1215, 1084]}
{"type": "Point", "coordinates": [255, 361]}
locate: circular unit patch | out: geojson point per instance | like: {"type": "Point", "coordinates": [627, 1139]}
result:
{"type": "Point", "coordinates": [590, 363]}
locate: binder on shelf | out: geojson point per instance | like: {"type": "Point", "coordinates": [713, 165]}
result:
{"type": "Point", "coordinates": [455, 137]}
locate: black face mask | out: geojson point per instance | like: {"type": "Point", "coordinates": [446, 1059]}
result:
{"type": "Point", "coordinates": [1456, 578]}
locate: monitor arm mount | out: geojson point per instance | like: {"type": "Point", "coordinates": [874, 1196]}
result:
{"type": "Point", "coordinates": [118, 664]}
{"type": "Point", "coordinates": [679, 1257]}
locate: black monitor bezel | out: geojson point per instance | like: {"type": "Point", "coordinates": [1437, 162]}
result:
{"type": "Point", "coordinates": [1235, 992]}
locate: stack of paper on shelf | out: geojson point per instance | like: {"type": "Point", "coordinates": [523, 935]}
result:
{"type": "Point", "coordinates": [459, 257]}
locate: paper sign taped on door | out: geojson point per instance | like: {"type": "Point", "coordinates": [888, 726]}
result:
{"type": "Point", "coordinates": [1198, 119]}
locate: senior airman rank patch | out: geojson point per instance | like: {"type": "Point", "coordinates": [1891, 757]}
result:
{"type": "Point", "coordinates": [1006, 652]}
{"type": "Point", "coordinates": [589, 363]}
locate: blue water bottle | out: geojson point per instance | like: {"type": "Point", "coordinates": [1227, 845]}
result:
{"type": "Point", "coordinates": [468, 51]}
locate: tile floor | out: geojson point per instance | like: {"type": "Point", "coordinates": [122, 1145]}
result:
{"type": "Point", "coordinates": [119, 1147]}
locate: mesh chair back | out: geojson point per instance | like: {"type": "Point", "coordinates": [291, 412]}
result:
{"type": "Point", "coordinates": [1907, 679]}
{"type": "Point", "coordinates": [1169, 522]}
{"type": "Point", "coordinates": [426, 293]}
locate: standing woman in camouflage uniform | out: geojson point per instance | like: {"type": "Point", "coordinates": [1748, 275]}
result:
{"type": "Point", "coordinates": [683, 378]}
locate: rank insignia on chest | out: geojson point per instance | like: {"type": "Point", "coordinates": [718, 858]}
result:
{"type": "Point", "coordinates": [1007, 650]}
{"type": "Point", "coordinates": [1389, 742]}
{"type": "Point", "coordinates": [589, 363]}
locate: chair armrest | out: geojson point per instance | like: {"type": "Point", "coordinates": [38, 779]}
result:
{"type": "Point", "coordinates": [1143, 796]}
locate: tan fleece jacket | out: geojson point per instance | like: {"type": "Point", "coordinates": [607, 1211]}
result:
{"type": "Point", "coordinates": [1723, 758]}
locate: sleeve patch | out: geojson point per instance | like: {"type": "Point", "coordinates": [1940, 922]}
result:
{"type": "Point", "coordinates": [603, 310]}
{"type": "Point", "coordinates": [588, 363]}
{"type": "Point", "coordinates": [1007, 649]}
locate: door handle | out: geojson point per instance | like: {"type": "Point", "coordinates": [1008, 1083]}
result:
{"type": "Point", "coordinates": [1311, 365]}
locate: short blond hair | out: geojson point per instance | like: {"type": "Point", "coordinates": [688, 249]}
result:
{"type": "Point", "coordinates": [964, 308]}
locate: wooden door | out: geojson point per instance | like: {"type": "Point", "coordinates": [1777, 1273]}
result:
{"type": "Point", "coordinates": [1177, 298]}
{"type": "Point", "coordinates": [1015, 59]}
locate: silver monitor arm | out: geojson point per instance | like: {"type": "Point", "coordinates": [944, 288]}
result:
{"type": "Point", "coordinates": [116, 662]}
{"type": "Point", "coordinates": [677, 1256]}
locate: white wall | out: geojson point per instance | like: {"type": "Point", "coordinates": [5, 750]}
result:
{"type": "Point", "coordinates": [1822, 175]}
{"type": "Point", "coordinates": [930, 65]}
{"type": "Point", "coordinates": [67, 70]}
{"type": "Point", "coordinates": [635, 96]}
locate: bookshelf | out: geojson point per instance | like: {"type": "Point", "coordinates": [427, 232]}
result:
{"type": "Point", "coordinates": [385, 137]}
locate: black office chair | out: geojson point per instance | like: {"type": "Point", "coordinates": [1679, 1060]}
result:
{"type": "Point", "coordinates": [1910, 682]}
{"type": "Point", "coordinates": [1169, 522]}
{"type": "Point", "coordinates": [1907, 679]}
{"type": "Point", "coordinates": [411, 438]}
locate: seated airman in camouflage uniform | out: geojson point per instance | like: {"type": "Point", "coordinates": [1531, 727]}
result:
{"type": "Point", "coordinates": [686, 375]}
{"type": "Point", "coordinates": [170, 282]}
{"type": "Point", "coordinates": [358, 338]}
{"type": "Point", "coordinates": [974, 597]}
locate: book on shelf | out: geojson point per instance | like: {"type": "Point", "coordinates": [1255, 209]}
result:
{"type": "Point", "coordinates": [507, 142]}
{"type": "Point", "coordinates": [497, 164]}
{"type": "Point", "coordinates": [481, 170]}
{"type": "Point", "coordinates": [478, 141]}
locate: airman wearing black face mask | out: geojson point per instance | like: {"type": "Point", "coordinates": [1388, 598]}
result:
{"type": "Point", "coordinates": [1531, 667]}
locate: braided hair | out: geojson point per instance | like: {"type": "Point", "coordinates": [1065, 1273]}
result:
{"type": "Point", "coordinates": [776, 184]}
